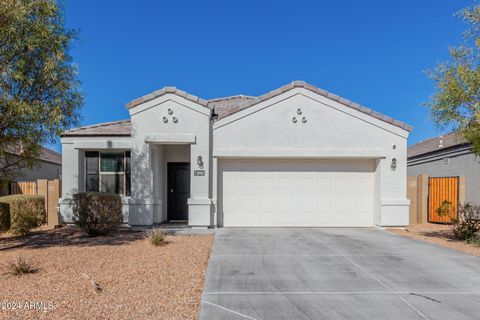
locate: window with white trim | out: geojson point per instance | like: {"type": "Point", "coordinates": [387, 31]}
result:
{"type": "Point", "coordinates": [107, 172]}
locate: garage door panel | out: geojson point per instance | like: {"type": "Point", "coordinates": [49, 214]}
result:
{"type": "Point", "coordinates": [304, 202]}
{"type": "Point", "coordinates": [296, 193]}
{"type": "Point", "coordinates": [286, 184]}
{"type": "Point", "coordinates": [247, 184]}
{"type": "Point", "coordinates": [325, 185]}
{"type": "Point", "coordinates": [343, 185]}
{"type": "Point", "coordinates": [266, 203]}
{"type": "Point", "coordinates": [286, 202]}
{"type": "Point", "coordinates": [324, 203]}
{"type": "Point", "coordinates": [267, 184]}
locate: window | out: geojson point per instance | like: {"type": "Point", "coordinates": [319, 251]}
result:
{"type": "Point", "coordinates": [108, 172]}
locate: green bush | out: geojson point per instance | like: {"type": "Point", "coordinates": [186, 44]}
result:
{"type": "Point", "coordinates": [97, 213]}
{"type": "Point", "coordinates": [467, 224]}
{"type": "Point", "coordinates": [4, 217]}
{"type": "Point", "coordinates": [26, 212]}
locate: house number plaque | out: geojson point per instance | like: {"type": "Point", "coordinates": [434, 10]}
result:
{"type": "Point", "coordinates": [199, 172]}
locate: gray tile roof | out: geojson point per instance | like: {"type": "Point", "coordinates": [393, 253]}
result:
{"type": "Point", "coordinates": [50, 156]}
{"type": "Point", "coordinates": [115, 128]}
{"type": "Point", "coordinates": [230, 105]}
{"type": "Point", "coordinates": [435, 144]}
{"type": "Point", "coordinates": [46, 154]}
{"type": "Point", "coordinates": [222, 107]}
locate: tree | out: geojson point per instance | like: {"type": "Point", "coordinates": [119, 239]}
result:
{"type": "Point", "coordinates": [39, 86]}
{"type": "Point", "coordinates": [456, 101]}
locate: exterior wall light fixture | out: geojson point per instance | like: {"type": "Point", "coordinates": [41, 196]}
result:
{"type": "Point", "coordinates": [393, 165]}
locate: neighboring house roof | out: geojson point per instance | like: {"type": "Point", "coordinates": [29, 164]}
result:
{"type": "Point", "coordinates": [115, 128]}
{"type": "Point", "coordinates": [442, 142]}
{"type": "Point", "coordinates": [222, 107]}
{"type": "Point", "coordinates": [46, 154]}
{"type": "Point", "coordinates": [50, 156]}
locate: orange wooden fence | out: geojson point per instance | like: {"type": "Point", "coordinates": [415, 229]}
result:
{"type": "Point", "coordinates": [442, 191]}
{"type": "Point", "coordinates": [23, 187]}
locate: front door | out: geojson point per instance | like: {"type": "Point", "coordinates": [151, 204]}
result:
{"type": "Point", "coordinates": [178, 183]}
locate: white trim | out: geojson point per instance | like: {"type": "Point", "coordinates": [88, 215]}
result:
{"type": "Point", "coordinates": [300, 153]}
{"type": "Point", "coordinates": [395, 202]}
{"type": "Point", "coordinates": [170, 138]}
{"type": "Point", "coordinates": [197, 201]}
{"type": "Point", "coordinates": [103, 144]}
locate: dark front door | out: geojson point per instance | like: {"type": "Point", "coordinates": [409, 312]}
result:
{"type": "Point", "coordinates": [178, 183]}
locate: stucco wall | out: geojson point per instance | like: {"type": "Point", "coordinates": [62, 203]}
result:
{"type": "Point", "coordinates": [459, 165]}
{"type": "Point", "coordinates": [41, 170]}
{"type": "Point", "coordinates": [148, 160]}
{"type": "Point", "coordinates": [73, 180]}
{"type": "Point", "coordinates": [331, 130]}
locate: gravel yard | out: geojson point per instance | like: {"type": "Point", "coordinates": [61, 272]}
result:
{"type": "Point", "coordinates": [438, 234]}
{"type": "Point", "coordinates": [136, 279]}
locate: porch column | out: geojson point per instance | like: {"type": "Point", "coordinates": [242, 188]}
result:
{"type": "Point", "coordinates": [200, 203]}
{"type": "Point", "coordinates": [145, 206]}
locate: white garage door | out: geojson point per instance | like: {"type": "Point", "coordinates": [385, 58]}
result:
{"type": "Point", "coordinates": [275, 193]}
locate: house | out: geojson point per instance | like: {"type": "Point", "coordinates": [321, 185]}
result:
{"type": "Point", "coordinates": [48, 166]}
{"type": "Point", "coordinates": [446, 156]}
{"type": "Point", "coordinates": [296, 156]}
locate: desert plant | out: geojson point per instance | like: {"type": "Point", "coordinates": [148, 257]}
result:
{"type": "Point", "coordinates": [475, 241]}
{"type": "Point", "coordinates": [4, 217]}
{"type": "Point", "coordinates": [445, 209]}
{"type": "Point", "coordinates": [467, 224]}
{"type": "Point", "coordinates": [26, 212]}
{"type": "Point", "coordinates": [97, 213]}
{"type": "Point", "coordinates": [19, 267]}
{"type": "Point", "coordinates": [155, 236]}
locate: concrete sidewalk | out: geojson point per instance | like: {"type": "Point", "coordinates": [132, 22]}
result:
{"type": "Point", "coordinates": [296, 273]}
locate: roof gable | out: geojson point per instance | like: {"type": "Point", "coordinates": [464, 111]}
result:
{"type": "Point", "coordinates": [223, 108]}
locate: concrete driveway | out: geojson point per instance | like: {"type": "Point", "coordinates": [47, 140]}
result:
{"type": "Point", "coordinates": [293, 273]}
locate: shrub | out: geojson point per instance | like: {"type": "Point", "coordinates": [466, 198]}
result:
{"type": "Point", "coordinates": [156, 237]}
{"type": "Point", "coordinates": [475, 241]}
{"type": "Point", "coordinates": [26, 212]}
{"type": "Point", "coordinates": [4, 217]}
{"type": "Point", "coordinates": [467, 223]}
{"type": "Point", "coordinates": [97, 213]}
{"type": "Point", "coordinates": [19, 267]}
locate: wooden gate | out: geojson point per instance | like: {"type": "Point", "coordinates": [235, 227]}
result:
{"type": "Point", "coordinates": [23, 187]}
{"type": "Point", "coordinates": [442, 193]}
{"type": "Point", "coordinates": [51, 190]}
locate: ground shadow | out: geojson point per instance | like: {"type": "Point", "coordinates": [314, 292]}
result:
{"type": "Point", "coordinates": [67, 236]}
{"type": "Point", "coordinates": [445, 234]}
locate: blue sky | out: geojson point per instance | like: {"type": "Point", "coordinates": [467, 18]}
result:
{"type": "Point", "coordinates": [373, 52]}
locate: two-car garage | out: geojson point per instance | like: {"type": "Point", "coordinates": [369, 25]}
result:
{"type": "Point", "coordinates": [293, 192]}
